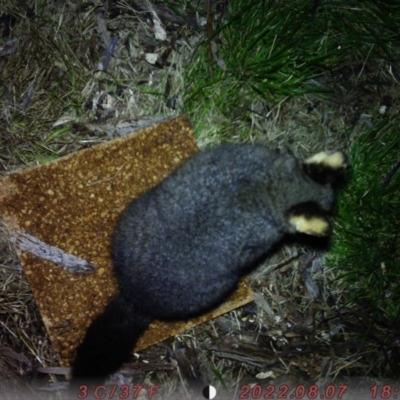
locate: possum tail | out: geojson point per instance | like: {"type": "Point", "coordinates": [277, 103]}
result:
{"type": "Point", "coordinates": [109, 340]}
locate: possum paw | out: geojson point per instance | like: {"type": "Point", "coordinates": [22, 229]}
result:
{"type": "Point", "coordinates": [315, 226]}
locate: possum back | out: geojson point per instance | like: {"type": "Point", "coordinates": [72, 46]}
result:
{"type": "Point", "coordinates": [206, 224]}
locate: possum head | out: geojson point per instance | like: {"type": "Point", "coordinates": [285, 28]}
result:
{"type": "Point", "coordinates": [304, 190]}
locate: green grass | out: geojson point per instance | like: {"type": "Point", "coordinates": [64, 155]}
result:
{"type": "Point", "coordinates": [367, 234]}
{"type": "Point", "coordinates": [269, 50]}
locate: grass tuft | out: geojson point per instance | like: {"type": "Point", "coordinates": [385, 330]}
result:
{"type": "Point", "coordinates": [270, 50]}
{"type": "Point", "coordinates": [367, 240]}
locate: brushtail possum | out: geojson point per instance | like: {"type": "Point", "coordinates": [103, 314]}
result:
{"type": "Point", "coordinates": [180, 249]}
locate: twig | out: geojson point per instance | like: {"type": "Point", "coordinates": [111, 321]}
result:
{"type": "Point", "coordinates": [28, 242]}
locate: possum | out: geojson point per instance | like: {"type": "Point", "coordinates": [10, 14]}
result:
{"type": "Point", "coordinates": [180, 249]}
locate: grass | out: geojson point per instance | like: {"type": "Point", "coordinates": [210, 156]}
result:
{"type": "Point", "coordinates": [367, 242]}
{"type": "Point", "coordinates": [264, 52]}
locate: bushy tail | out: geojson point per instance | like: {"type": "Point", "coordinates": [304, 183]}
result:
{"type": "Point", "coordinates": [109, 341]}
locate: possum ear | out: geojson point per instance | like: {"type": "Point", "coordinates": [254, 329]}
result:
{"type": "Point", "coordinates": [315, 226]}
{"type": "Point", "coordinates": [326, 166]}
{"type": "Point", "coordinates": [310, 219]}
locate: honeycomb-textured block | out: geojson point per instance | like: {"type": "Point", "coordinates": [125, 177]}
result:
{"type": "Point", "coordinates": [73, 203]}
